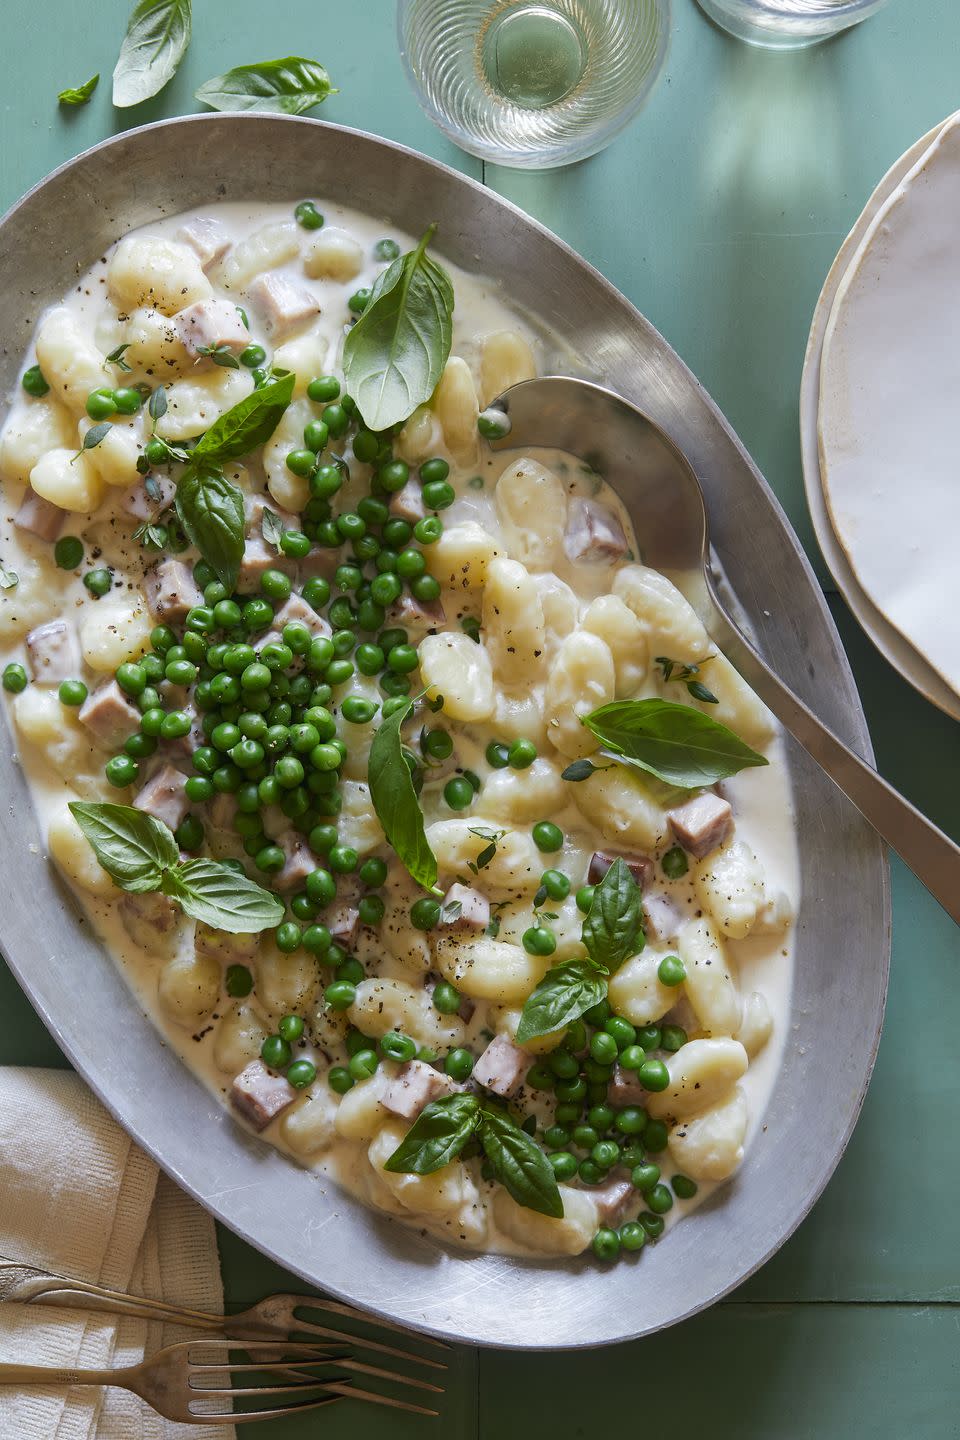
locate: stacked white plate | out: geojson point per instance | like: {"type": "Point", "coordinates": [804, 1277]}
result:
{"type": "Point", "coordinates": [880, 417]}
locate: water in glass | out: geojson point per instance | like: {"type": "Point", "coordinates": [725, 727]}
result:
{"type": "Point", "coordinates": [788, 24]}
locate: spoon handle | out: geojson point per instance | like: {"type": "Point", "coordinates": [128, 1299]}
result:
{"type": "Point", "coordinates": [930, 854]}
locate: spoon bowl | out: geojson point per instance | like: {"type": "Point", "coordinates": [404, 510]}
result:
{"type": "Point", "coordinates": [669, 512]}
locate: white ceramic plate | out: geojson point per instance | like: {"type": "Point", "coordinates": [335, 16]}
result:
{"type": "Point", "coordinates": [888, 640]}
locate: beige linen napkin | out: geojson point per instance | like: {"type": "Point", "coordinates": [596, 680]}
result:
{"type": "Point", "coordinates": [77, 1197]}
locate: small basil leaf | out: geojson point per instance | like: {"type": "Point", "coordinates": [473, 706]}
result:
{"type": "Point", "coordinates": [157, 404]}
{"type": "Point", "coordinates": [437, 1135]}
{"type": "Point", "coordinates": [676, 743]}
{"type": "Point", "coordinates": [395, 353]}
{"type": "Point", "coordinates": [210, 509]}
{"type": "Point", "coordinates": [220, 896]}
{"type": "Point", "coordinates": [95, 434]}
{"type": "Point", "coordinates": [519, 1164]}
{"type": "Point", "coordinates": [116, 357]}
{"type": "Point", "coordinates": [580, 770]}
{"type": "Point", "coordinates": [9, 579]}
{"type": "Point", "coordinates": [287, 87]}
{"type": "Point", "coordinates": [700, 692]}
{"type": "Point", "coordinates": [563, 995]}
{"type": "Point", "coordinates": [79, 94]}
{"type": "Point", "coordinates": [158, 33]}
{"type": "Point", "coordinates": [271, 527]}
{"type": "Point", "coordinates": [132, 847]}
{"type": "Point", "coordinates": [613, 929]}
{"type": "Point", "coordinates": [246, 425]}
{"type": "Point", "coordinates": [395, 800]}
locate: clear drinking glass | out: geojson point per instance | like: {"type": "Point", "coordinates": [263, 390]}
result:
{"type": "Point", "coordinates": [533, 83]}
{"type": "Point", "coordinates": [788, 24]}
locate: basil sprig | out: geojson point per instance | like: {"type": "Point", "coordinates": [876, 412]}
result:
{"type": "Point", "coordinates": [247, 424]}
{"type": "Point", "coordinates": [158, 33]}
{"type": "Point", "coordinates": [141, 855]}
{"type": "Point", "coordinates": [444, 1127]}
{"type": "Point", "coordinates": [676, 743]}
{"type": "Point", "coordinates": [395, 353]}
{"type": "Point", "coordinates": [395, 801]}
{"type": "Point", "coordinates": [612, 932]}
{"type": "Point", "coordinates": [286, 87]}
{"type": "Point", "coordinates": [79, 94]}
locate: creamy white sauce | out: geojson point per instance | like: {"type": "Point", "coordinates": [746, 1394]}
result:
{"type": "Point", "coordinates": [761, 798]}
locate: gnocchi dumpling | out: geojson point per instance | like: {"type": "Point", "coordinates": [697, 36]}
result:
{"type": "Point", "coordinates": [729, 886]}
{"type": "Point", "coordinates": [265, 249]}
{"type": "Point", "coordinates": [446, 1190]}
{"type": "Point", "coordinates": [112, 633]}
{"type": "Point", "coordinates": [621, 807]}
{"type": "Point", "coordinates": [115, 457]}
{"type": "Point", "coordinates": [69, 480]}
{"type": "Point", "coordinates": [150, 270]}
{"type": "Point", "coordinates": [72, 365]}
{"type": "Point", "coordinates": [701, 1073]}
{"type": "Point", "coordinates": [30, 433]}
{"type": "Point", "coordinates": [757, 1024]}
{"type": "Point", "coordinates": [568, 1236]}
{"type": "Point", "coordinates": [381, 1005]}
{"type": "Point", "coordinates": [710, 1146]}
{"type": "Point", "coordinates": [516, 866]}
{"type": "Point", "coordinates": [286, 984]}
{"type": "Point", "coordinates": [581, 679]}
{"type": "Point", "coordinates": [73, 853]}
{"type": "Point", "coordinates": [523, 797]}
{"type": "Point", "coordinates": [461, 557]}
{"type": "Point", "coordinates": [459, 669]}
{"type": "Point", "coordinates": [357, 822]}
{"type": "Point", "coordinates": [238, 1038]}
{"type": "Point", "coordinates": [307, 1126]}
{"type": "Point", "coordinates": [333, 255]}
{"type": "Point", "coordinates": [610, 618]}
{"type": "Point", "coordinates": [532, 508]}
{"type": "Point", "coordinates": [291, 492]}
{"type": "Point", "coordinates": [709, 984]}
{"type": "Point", "coordinates": [637, 993]}
{"type": "Point", "coordinates": [361, 1111]}
{"type": "Point", "coordinates": [189, 987]}
{"type": "Point", "coordinates": [505, 360]}
{"type": "Point", "coordinates": [306, 355]}
{"type": "Point", "coordinates": [456, 407]}
{"type": "Point", "coordinates": [513, 622]}
{"type": "Point", "coordinates": [672, 625]}
{"type": "Point", "coordinates": [194, 404]}
{"type": "Point", "coordinates": [419, 438]}
{"type": "Point", "coordinates": [489, 969]}
{"type": "Point", "coordinates": [153, 344]}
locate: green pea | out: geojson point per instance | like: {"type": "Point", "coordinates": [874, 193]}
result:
{"type": "Point", "coordinates": [605, 1154]}
{"type": "Point", "coordinates": [257, 613]}
{"type": "Point", "coordinates": [674, 863]}
{"type": "Point", "coordinates": [180, 672]}
{"type": "Point", "coordinates": [425, 589]}
{"type": "Point", "coordinates": [371, 910]}
{"type": "Point", "coordinates": [275, 1052]}
{"type": "Point", "coordinates": [590, 1173]}
{"type": "Point", "coordinates": [33, 381]}
{"type": "Point", "coordinates": [493, 425]}
{"type": "Point", "coordinates": [655, 1136]}
{"type": "Point", "coordinates": [359, 300]}
{"type": "Point", "coordinates": [434, 470]}
{"type": "Point", "coordinates": [547, 836]}
{"type": "Point", "coordinates": [671, 971]}
{"type": "Point", "coordinates": [632, 1235]}
{"type": "Point", "coordinates": [631, 1120]}
{"type": "Point", "coordinates": [72, 692]}
{"type": "Point", "coordinates": [622, 1031]}
{"type": "Point", "coordinates": [653, 1075]}
{"type": "Point", "coordinates": [660, 1200]}
{"type": "Point", "coordinates": [199, 618]}
{"type": "Point", "coordinates": [540, 1077]}
{"type": "Point", "coordinates": [428, 530]}
{"type": "Point", "coordinates": [385, 589]}
{"type": "Point", "coordinates": [459, 1064]}
{"type": "Point", "coordinates": [425, 914]}
{"type": "Point", "coordinates": [556, 884]}
{"type": "Point", "coordinates": [98, 582]}
{"type": "Point", "coordinates": [458, 793]}
{"type": "Point", "coordinates": [339, 1079]}
{"type": "Point", "coordinates": [497, 755]}
{"type": "Point", "coordinates": [446, 998]}
{"type": "Point", "coordinates": [127, 400]}
{"type": "Point", "coordinates": [601, 1117]}
{"type": "Point", "coordinates": [101, 404]}
{"type": "Point", "coordinates": [603, 1048]}
{"type": "Point", "coordinates": [252, 356]}
{"type": "Point", "coordinates": [357, 710]}
{"type": "Point", "coordinates": [338, 672]}
{"type": "Point", "coordinates": [566, 1114]}
{"type": "Point", "coordinates": [176, 725]}
{"type": "Point", "coordinates": [632, 1155]}
{"type": "Point", "coordinates": [645, 1176]}
{"type": "Point", "coordinates": [301, 1074]}
{"type": "Point", "coordinates": [574, 1090]}
{"type": "Point", "coordinates": [585, 1137]}
{"type": "Point", "coordinates": [397, 1046]}
{"type": "Point", "coordinates": [198, 789]}
{"type": "Point", "coordinates": [539, 940]}
{"type": "Point", "coordinates": [336, 419]}
{"type": "Point", "coordinates": [584, 898]}
{"type": "Point", "coordinates": [386, 250]}
{"type": "Point", "coordinates": [227, 779]}
{"type": "Point", "coordinates": [275, 584]}
{"type": "Point", "coordinates": [403, 659]}
{"type": "Point", "coordinates": [556, 1137]}
{"type": "Point", "coordinates": [316, 939]}
{"type": "Point", "coordinates": [323, 388]}
{"type": "Point", "coordinates": [307, 215]}
{"type": "Point", "coordinates": [322, 839]}
{"type": "Point", "coordinates": [438, 495]}
{"type": "Point", "coordinates": [340, 995]}
{"type": "Point", "coordinates": [672, 1037]}
{"type": "Point", "coordinates": [394, 475]}
{"type": "Point", "coordinates": [683, 1187]}
{"type": "Point", "coordinates": [564, 1165]}
{"type": "Point", "coordinates": [270, 859]}
{"type": "Point", "coordinates": [576, 1037]}
{"type": "Point", "coordinates": [563, 1064]}
{"type": "Point", "coordinates": [189, 833]}
{"type": "Point", "coordinates": [649, 1037]}
{"type": "Point", "coordinates": [239, 981]}
{"type": "Point", "coordinates": [288, 937]}
{"type": "Point", "coordinates": [342, 859]}
{"type": "Point", "coordinates": [521, 754]}
{"type": "Point", "coordinates": [121, 771]}
{"type": "Point", "coordinates": [363, 1064]}
{"type": "Point", "coordinates": [68, 552]}
{"type": "Point", "coordinates": [291, 1028]}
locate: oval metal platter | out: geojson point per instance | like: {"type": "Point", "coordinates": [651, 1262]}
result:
{"type": "Point", "coordinates": [297, 1218]}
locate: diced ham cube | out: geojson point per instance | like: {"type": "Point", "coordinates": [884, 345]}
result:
{"type": "Point", "coordinates": [613, 1202]}
{"type": "Point", "coordinates": [413, 614]}
{"type": "Point", "coordinates": [319, 562]}
{"type": "Point", "coordinates": [298, 864]}
{"type": "Point", "coordinates": [413, 1087]}
{"type": "Point", "coordinates": [640, 867]}
{"type": "Point", "coordinates": [254, 506]}
{"type": "Point", "coordinates": [343, 922]}
{"type": "Point", "coordinates": [594, 535]}
{"type": "Point", "coordinates": [471, 910]}
{"type": "Point", "coordinates": [284, 306]}
{"type": "Point", "coordinates": [501, 1067]}
{"type": "Point", "coordinates": [207, 238]}
{"type": "Point", "coordinates": [259, 557]}
{"type": "Point", "coordinates": [702, 823]}
{"type": "Point", "coordinates": [148, 497]}
{"type": "Point", "coordinates": [407, 504]}
{"type": "Point", "coordinates": [296, 611]}
{"type": "Point", "coordinates": [624, 1088]}
{"type": "Point", "coordinates": [164, 797]}
{"type": "Point", "coordinates": [661, 917]}
{"type": "Point", "coordinates": [54, 652]}
{"type": "Point", "coordinates": [39, 517]}
{"type": "Point", "coordinates": [259, 1096]}
{"type": "Point", "coordinates": [211, 325]}
{"type": "Point", "coordinates": [171, 590]}
{"type": "Point", "coordinates": [109, 716]}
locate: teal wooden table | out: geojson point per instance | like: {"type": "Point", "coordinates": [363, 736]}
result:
{"type": "Point", "coordinates": [718, 213]}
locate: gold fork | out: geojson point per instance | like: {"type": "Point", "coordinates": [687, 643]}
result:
{"type": "Point", "coordinates": [273, 1318]}
{"type": "Point", "coordinates": [173, 1383]}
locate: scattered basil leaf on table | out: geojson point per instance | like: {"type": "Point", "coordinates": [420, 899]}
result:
{"type": "Point", "coordinates": [676, 743]}
{"type": "Point", "coordinates": [613, 929]}
{"type": "Point", "coordinates": [158, 33]}
{"type": "Point", "coordinates": [437, 1136]}
{"type": "Point", "coordinates": [563, 995]}
{"type": "Point", "coordinates": [394, 355]}
{"type": "Point", "coordinates": [210, 509]}
{"type": "Point", "coordinates": [220, 896]}
{"type": "Point", "coordinates": [395, 801]}
{"type": "Point", "coordinates": [132, 847]}
{"type": "Point", "coordinates": [247, 424]}
{"type": "Point", "coordinates": [79, 94]}
{"type": "Point", "coordinates": [519, 1164]}
{"type": "Point", "coordinates": [287, 87]}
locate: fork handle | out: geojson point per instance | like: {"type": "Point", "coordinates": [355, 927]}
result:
{"type": "Point", "coordinates": [30, 1285]}
{"type": "Point", "coordinates": [11, 1374]}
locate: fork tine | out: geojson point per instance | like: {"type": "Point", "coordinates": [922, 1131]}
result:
{"type": "Point", "coordinates": [284, 1347]}
{"type": "Point", "coordinates": [360, 1342]}
{"type": "Point", "coordinates": [350, 1392]}
{"type": "Point", "coordinates": [241, 1417]}
{"type": "Point", "coordinates": [358, 1365]}
{"type": "Point", "coordinates": [276, 1367]}
{"type": "Point", "coordinates": [334, 1307]}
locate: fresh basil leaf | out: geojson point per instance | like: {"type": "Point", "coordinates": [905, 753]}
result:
{"type": "Point", "coordinates": [157, 404]}
{"type": "Point", "coordinates": [79, 94]}
{"type": "Point", "coordinates": [580, 770]}
{"type": "Point", "coordinates": [9, 579]}
{"type": "Point", "coordinates": [395, 353]}
{"type": "Point", "coordinates": [271, 527]}
{"type": "Point", "coordinates": [395, 800]}
{"type": "Point", "coordinates": [563, 995]}
{"type": "Point", "coordinates": [246, 425]}
{"type": "Point", "coordinates": [287, 87]}
{"type": "Point", "coordinates": [132, 847]}
{"type": "Point", "coordinates": [220, 896]}
{"type": "Point", "coordinates": [210, 509]}
{"type": "Point", "coordinates": [437, 1135]}
{"type": "Point", "coordinates": [613, 929]}
{"type": "Point", "coordinates": [158, 33]}
{"type": "Point", "coordinates": [676, 743]}
{"type": "Point", "coordinates": [519, 1164]}
{"type": "Point", "coordinates": [220, 355]}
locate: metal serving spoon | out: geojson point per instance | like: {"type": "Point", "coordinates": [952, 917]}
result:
{"type": "Point", "coordinates": [640, 462]}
